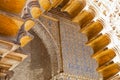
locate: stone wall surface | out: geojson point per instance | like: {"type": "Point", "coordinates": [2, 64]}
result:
{"type": "Point", "coordinates": [37, 66]}
{"type": "Point", "coordinates": [43, 63]}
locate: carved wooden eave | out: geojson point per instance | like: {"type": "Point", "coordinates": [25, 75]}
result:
{"type": "Point", "coordinates": [81, 36]}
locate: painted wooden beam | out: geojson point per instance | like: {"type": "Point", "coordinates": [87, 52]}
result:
{"type": "Point", "coordinates": [16, 56]}
{"type": "Point", "coordinates": [13, 6]}
{"type": "Point", "coordinates": [7, 47]}
{"type": "Point", "coordinates": [9, 25]}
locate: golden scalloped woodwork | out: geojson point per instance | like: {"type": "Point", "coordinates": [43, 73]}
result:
{"type": "Point", "coordinates": [85, 17]}
{"type": "Point", "coordinates": [104, 56]}
{"type": "Point", "coordinates": [56, 3]}
{"type": "Point", "coordinates": [73, 7]}
{"type": "Point", "coordinates": [45, 4]}
{"type": "Point", "coordinates": [10, 26]}
{"type": "Point", "coordinates": [109, 70]}
{"type": "Point", "coordinates": [64, 2]}
{"type": "Point", "coordinates": [25, 39]}
{"type": "Point", "coordinates": [92, 29]}
{"type": "Point", "coordinates": [28, 24]}
{"type": "Point", "coordinates": [35, 12]}
{"type": "Point", "coordinates": [99, 42]}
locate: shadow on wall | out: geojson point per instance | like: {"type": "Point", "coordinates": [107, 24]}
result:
{"type": "Point", "coordinates": [38, 65]}
{"type": "Point", "coordinates": [40, 59]}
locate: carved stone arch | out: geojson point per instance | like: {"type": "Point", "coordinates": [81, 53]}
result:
{"type": "Point", "coordinates": [53, 46]}
{"type": "Point", "coordinates": [45, 59]}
